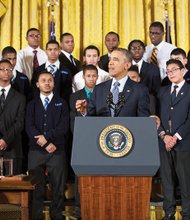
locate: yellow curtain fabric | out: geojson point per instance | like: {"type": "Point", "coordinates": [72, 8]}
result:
{"type": "Point", "coordinates": [90, 20]}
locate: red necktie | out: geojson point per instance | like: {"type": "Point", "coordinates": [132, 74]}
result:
{"type": "Point", "coordinates": [35, 60]}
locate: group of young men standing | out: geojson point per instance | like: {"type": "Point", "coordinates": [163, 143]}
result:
{"type": "Point", "coordinates": [47, 82]}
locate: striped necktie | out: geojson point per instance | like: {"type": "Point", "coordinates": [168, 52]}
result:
{"type": "Point", "coordinates": [115, 92]}
{"type": "Point", "coordinates": [46, 103]}
{"type": "Point", "coordinates": [153, 58]}
{"type": "Point", "coordinates": [52, 69]}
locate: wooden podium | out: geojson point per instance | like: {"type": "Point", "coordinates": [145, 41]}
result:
{"type": "Point", "coordinates": [115, 188]}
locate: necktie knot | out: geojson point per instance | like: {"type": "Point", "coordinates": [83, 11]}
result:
{"type": "Point", "coordinates": [116, 84]}
{"type": "Point", "coordinates": [52, 69]}
{"type": "Point", "coordinates": [46, 102]}
{"type": "Point", "coordinates": [35, 52]}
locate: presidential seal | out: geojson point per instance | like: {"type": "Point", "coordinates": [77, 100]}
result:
{"type": "Point", "coordinates": [116, 140]}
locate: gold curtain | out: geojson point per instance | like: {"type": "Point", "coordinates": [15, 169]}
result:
{"type": "Point", "coordinates": [90, 20]}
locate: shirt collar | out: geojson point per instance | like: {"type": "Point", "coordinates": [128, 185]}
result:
{"type": "Point", "coordinates": [57, 64]}
{"type": "Point", "coordinates": [32, 49]}
{"type": "Point", "coordinates": [66, 54]}
{"type": "Point", "coordinates": [159, 46]}
{"type": "Point", "coordinates": [42, 97]}
{"type": "Point", "coordinates": [121, 81]}
{"type": "Point", "coordinates": [7, 88]}
{"type": "Point", "coordinates": [88, 92]}
{"type": "Point", "coordinates": [139, 64]}
{"type": "Point", "coordinates": [179, 85]}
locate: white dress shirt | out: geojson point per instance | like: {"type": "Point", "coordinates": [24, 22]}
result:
{"type": "Point", "coordinates": [121, 82]}
{"type": "Point", "coordinates": [42, 97]}
{"type": "Point", "coordinates": [25, 60]}
{"type": "Point", "coordinates": [163, 55]}
{"type": "Point", "coordinates": [139, 64]}
{"type": "Point", "coordinates": [7, 88]}
{"type": "Point", "coordinates": [47, 64]}
{"type": "Point", "coordinates": [78, 81]}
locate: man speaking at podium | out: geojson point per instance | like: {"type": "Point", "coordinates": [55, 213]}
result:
{"type": "Point", "coordinates": [119, 96]}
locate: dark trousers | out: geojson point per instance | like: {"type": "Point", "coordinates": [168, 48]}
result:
{"type": "Point", "coordinates": [55, 164]}
{"type": "Point", "coordinates": [171, 164]}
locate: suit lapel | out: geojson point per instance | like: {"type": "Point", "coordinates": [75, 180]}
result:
{"type": "Point", "coordinates": [182, 93]}
{"type": "Point", "coordinates": [9, 97]}
{"type": "Point", "coordinates": [128, 88]}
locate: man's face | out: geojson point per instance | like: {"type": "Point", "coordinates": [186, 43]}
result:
{"type": "Point", "coordinates": [67, 43]}
{"type": "Point", "coordinates": [175, 74]}
{"type": "Point", "coordinates": [33, 39]}
{"type": "Point", "coordinates": [179, 57]}
{"type": "Point", "coordinates": [45, 83]}
{"type": "Point", "coordinates": [118, 65]}
{"type": "Point", "coordinates": [90, 77]}
{"type": "Point", "coordinates": [11, 57]}
{"type": "Point", "coordinates": [133, 75]}
{"type": "Point", "coordinates": [5, 72]}
{"type": "Point", "coordinates": [52, 52]}
{"type": "Point", "coordinates": [137, 51]}
{"type": "Point", "coordinates": [91, 57]}
{"type": "Point", "coordinates": [111, 42]}
{"type": "Point", "coordinates": [156, 35]}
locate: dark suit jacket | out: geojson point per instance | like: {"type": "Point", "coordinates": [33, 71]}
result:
{"type": "Point", "coordinates": [103, 63]}
{"type": "Point", "coordinates": [67, 63]}
{"type": "Point", "coordinates": [79, 95]}
{"type": "Point", "coordinates": [166, 80]}
{"type": "Point", "coordinates": [12, 123]}
{"type": "Point", "coordinates": [136, 100]}
{"type": "Point", "coordinates": [63, 81]}
{"type": "Point", "coordinates": [21, 83]}
{"type": "Point", "coordinates": [178, 113]}
{"type": "Point", "coordinates": [52, 123]}
{"type": "Point", "coordinates": [150, 77]}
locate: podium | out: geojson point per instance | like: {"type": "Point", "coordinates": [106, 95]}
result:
{"type": "Point", "coordinates": [115, 188]}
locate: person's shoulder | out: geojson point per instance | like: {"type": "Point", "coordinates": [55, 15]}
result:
{"type": "Point", "coordinates": [78, 75]}
{"type": "Point", "coordinates": [17, 95]}
{"type": "Point", "coordinates": [105, 56]}
{"type": "Point", "coordinates": [21, 76]}
{"type": "Point", "coordinates": [168, 45]}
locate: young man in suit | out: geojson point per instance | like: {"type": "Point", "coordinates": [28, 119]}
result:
{"type": "Point", "coordinates": [12, 111]}
{"type": "Point", "coordinates": [158, 52]}
{"type": "Point", "coordinates": [178, 54]}
{"type": "Point", "coordinates": [19, 80]}
{"type": "Point", "coordinates": [136, 95]}
{"type": "Point", "coordinates": [61, 74]}
{"type": "Point", "coordinates": [47, 122]}
{"type": "Point", "coordinates": [111, 42]}
{"type": "Point", "coordinates": [32, 56]}
{"type": "Point", "coordinates": [149, 73]}
{"type": "Point", "coordinates": [91, 55]}
{"type": "Point", "coordinates": [66, 57]}
{"type": "Point", "coordinates": [174, 102]}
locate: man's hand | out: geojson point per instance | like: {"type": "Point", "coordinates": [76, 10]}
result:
{"type": "Point", "coordinates": [81, 106]}
{"type": "Point", "coordinates": [157, 119]}
{"type": "Point", "coordinates": [41, 141]}
{"type": "Point", "coordinates": [169, 141]}
{"type": "Point", "coordinates": [50, 148]}
{"type": "Point", "coordinates": [3, 145]}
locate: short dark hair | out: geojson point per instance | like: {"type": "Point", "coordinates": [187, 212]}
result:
{"type": "Point", "coordinates": [112, 32]}
{"type": "Point", "coordinates": [91, 47]}
{"type": "Point", "coordinates": [89, 67]}
{"type": "Point", "coordinates": [43, 72]}
{"type": "Point", "coordinates": [5, 61]}
{"type": "Point", "coordinates": [136, 41]}
{"type": "Point", "coordinates": [52, 42]}
{"type": "Point", "coordinates": [126, 53]}
{"type": "Point", "coordinates": [134, 68]}
{"type": "Point", "coordinates": [7, 50]}
{"type": "Point", "coordinates": [158, 25]}
{"type": "Point", "coordinates": [177, 62]}
{"type": "Point", "coordinates": [65, 34]}
{"type": "Point", "coordinates": [31, 29]}
{"type": "Point", "coordinates": [178, 51]}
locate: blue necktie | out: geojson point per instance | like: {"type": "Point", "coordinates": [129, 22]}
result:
{"type": "Point", "coordinates": [115, 92]}
{"type": "Point", "coordinates": [46, 103]}
{"type": "Point", "coordinates": [53, 69]}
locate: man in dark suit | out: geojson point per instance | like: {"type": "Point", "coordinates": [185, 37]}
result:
{"type": "Point", "coordinates": [66, 58]}
{"type": "Point", "coordinates": [47, 122]}
{"type": "Point", "coordinates": [19, 80]}
{"type": "Point", "coordinates": [174, 102]}
{"type": "Point", "coordinates": [111, 42]}
{"type": "Point", "coordinates": [136, 95]}
{"type": "Point", "coordinates": [178, 54]}
{"type": "Point", "coordinates": [61, 74]}
{"type": "Point", "coordinates": [12, 106]}
{"type": "Point", "coordinates": [149, 73]}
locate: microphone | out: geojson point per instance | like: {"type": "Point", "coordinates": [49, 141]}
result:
{"type": "Point", "coordinates": [121, 99]}
{"type": "Point", "coordinates": [109, 100]}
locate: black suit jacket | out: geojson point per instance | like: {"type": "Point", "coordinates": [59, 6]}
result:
{"type": "Point", "coordinates": [21, 84]}
{"type": "Point", "coordinates": [103, 63]}
{"type": "Point", "coordinates": [12, 123]}
{"type": "Point", "coordinates": [166, 80]}
{"type": "Point", "coordinates": [67, 63]}
{"type": "Point", "coordinates": [178, 114]}
{"type": "Point", "coordinates": [63, 81]}
{"type": "Point", "coordinates": [136, 100]}
{"type": "Point", "coordinates": [79, 95]}
{"type": "Point", "coordinates": [150, 77]}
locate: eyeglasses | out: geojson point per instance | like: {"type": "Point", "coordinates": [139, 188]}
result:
{"type": "Point", "coordinates": [6, 70]}
{"type": "Point", "coordinates": [155, 33]}
{"type": "Point", "coordinates": [137, 48]}
{"type": "Point", "coordinates": [172, 70]}
{"type": "Point", "coordinates": [34, 35]}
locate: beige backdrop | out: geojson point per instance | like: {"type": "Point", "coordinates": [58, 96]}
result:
{"type": "Point", "coordinates": [90, 20]}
